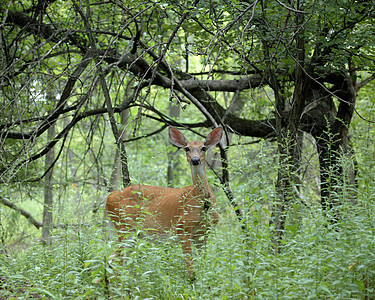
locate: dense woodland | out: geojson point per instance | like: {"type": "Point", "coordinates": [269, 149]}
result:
{"type": "Point", "coordinates": [88, 90]}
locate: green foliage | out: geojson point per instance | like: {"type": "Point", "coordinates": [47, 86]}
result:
{"type": "Point", "coordinates": [315, 262]}
{"type": "Point", "coordinates": [318, 260]}
{"type": "Point", "coordinates": [67, 268]}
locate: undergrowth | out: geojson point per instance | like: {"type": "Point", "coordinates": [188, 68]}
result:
{"type": "Point", "coordinates": [317, 261]}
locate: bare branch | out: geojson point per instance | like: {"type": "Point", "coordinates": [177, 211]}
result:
{"type": "Point", "coordinates": [23, 212]}
{"type": "Point", "coordinates": [291, 8]}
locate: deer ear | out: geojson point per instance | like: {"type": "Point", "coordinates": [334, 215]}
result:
{"type": "Point", "coordinates": [177, 138]}
{"type": "Point", "coordinates": [213, 137]}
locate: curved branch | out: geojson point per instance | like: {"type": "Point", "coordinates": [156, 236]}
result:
{"type": "Point", "coordinates": [23, 212]}
{"type": "Point", "coordinates": [147, 135]}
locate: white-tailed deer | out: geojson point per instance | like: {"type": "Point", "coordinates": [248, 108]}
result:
{"type": "Point", "coordinates": [187, 211]}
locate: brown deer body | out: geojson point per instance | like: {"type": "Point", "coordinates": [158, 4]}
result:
{"type": "Point", "coordinates": [188, 211]}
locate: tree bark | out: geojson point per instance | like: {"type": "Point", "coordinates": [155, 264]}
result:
{"type": "Point", "coordinates": [287, 140]}
{"type": "Point", "coordinates": [172, 179]}
{"type": "Point", "coordinates": [333, 143]}
{"type": "Point", "coordinates": [114, 184]}
{"type": "Point", "coordinates": [48, 185]}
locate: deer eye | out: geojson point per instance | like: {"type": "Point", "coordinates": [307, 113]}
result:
{"type": "Point", "coordinates": [204, 149]}
{"type": "Point", "coordinates": [187, 149]}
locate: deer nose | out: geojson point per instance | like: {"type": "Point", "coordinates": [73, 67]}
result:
{"type": "Point", "coordinates": [195, 161]}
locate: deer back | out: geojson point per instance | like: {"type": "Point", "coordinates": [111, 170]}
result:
{"type": "Point", "coordinates": [160, 209]}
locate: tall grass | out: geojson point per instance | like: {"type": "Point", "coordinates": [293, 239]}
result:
{"type": "Point", "coordinates": [316, 262]}
{"type": "Point", "coordinates": [318, 259]}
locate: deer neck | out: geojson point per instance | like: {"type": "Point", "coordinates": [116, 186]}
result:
{"type": "Point", "coordinates": [201, 187]}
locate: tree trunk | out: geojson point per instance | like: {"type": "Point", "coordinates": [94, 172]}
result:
{"type": "Point", "coordinates": [287, 141]}
{"type": "Point", "coordinates": [48, 186]}
{"type": "Point", "coordinates": [331, 135]}
{"type": "Point", "coordinates": [114, 184]}
{"type": "Point", "coordinates": [172, 179]}
{"type": "Point", "coordinates": [333, 145]}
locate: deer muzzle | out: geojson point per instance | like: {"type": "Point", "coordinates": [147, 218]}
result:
{"type": "Point", "coordinates": [195, 161]}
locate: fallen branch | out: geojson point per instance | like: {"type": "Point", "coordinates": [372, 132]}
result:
{"type": "Point", "coordinates": [23, 212]}
{"type": "Point", "coordinates": [32, 220]}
